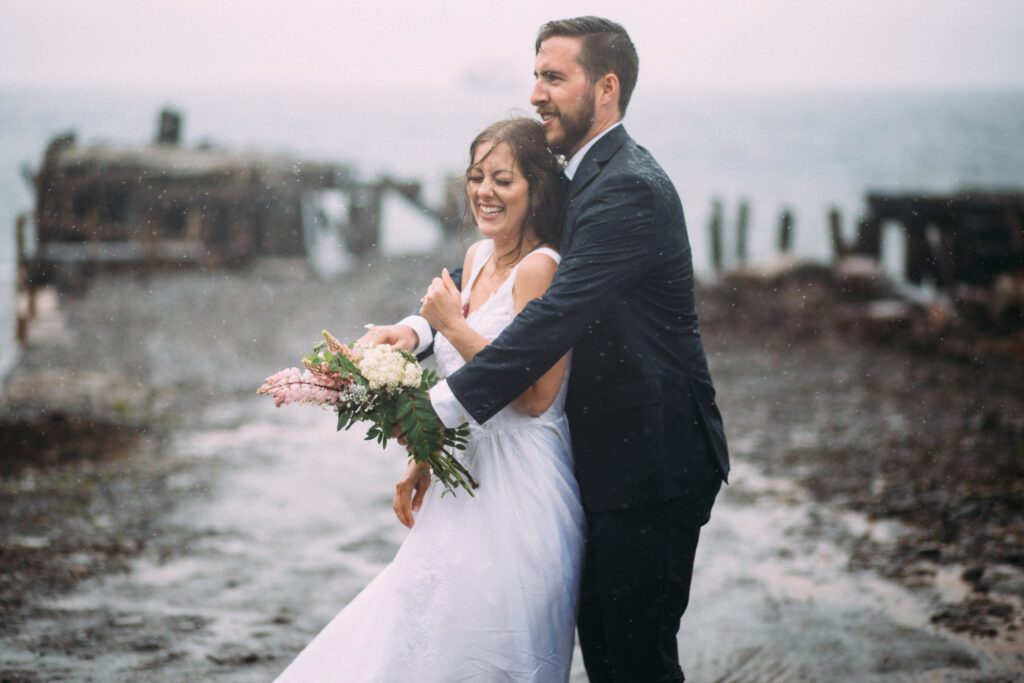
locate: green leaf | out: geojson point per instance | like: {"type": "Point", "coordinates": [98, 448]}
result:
{"type": "Point", "coordinates": [348, 368]}
{"type": "Point", "coordinates": [404, 404]}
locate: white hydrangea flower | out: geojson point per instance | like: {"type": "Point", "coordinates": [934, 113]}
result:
{"type": "Point", "coordinates": [412, 375]}
{"type": "Point", "coordinates": [383, 367]}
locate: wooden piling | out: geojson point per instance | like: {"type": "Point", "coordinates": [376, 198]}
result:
{"type": "Point", "coordinates": [835, 224]}
{"type": "Point", "coordinates": [169, 128]}
{"type": "Point", "coordinates": [363, 234]}
{"type": "Point", "coordinates": [943, 246]}
{"type": "Point", "coordinates": [786, 231]}
{"type": "Point", "coordinates": [19, 237]}
{"type": "Point", "coordinates": [20, 283]}
{"type": "Point", "coordinates": [715, 230]}
{"type": "Point", "coordinates": [869, 237]}
{"type": "Point", "coordinates": [30, 291]}
{"type": "Point", "coordinates": [453, 210]}
{"type": "Point", "coordinates": [21, 274]}
{"type": "Point", "coordinates": [917, 252]}
{"type": "Point", "coordinates": [742, 232]}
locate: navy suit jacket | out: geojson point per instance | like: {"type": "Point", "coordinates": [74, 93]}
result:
{"type": "Point", "coordinates": [641, 405]}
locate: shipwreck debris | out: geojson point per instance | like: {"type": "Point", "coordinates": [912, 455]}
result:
{"type": "Point", "coordinates": [165, 205]}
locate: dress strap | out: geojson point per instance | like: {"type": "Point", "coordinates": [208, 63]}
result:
{"type": "Point", "coordinates": [554, 255]}
{"type": "Point", "coordinates": [484, 249]}
{"type": "Point", "coordinates": [547, 251]}
{"type": "Point", "coordinates": [510, 282]}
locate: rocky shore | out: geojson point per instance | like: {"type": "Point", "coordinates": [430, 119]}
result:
{"type": "Point", "coordinates": [878, 414]}
{"type": "Point", "coordinates": [110, 373]}
{"type": "Point", "coordinates": [873, 406]}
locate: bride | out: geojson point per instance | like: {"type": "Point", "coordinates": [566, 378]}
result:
{"type": "Point", "coordinates": [483, 588]}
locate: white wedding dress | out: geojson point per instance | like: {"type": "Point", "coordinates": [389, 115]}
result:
{"type": "Point", "coordinates": [483, 588]}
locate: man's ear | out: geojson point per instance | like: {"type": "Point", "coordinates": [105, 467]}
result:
{"type": "Point", "coordinates": [608, 89]}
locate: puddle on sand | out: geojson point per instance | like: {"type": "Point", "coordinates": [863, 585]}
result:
{"type": "Point", "coordinates": [950, 584]}
{"type": "Point", "coordinates": [294, 519]}
{"type": "Point", "coordinates": [774, 600]}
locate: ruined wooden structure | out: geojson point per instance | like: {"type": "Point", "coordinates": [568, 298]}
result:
{"type": "Point", "coordinates": [970, 237]}
{"type": "Point", "coordinates": [105, 207]}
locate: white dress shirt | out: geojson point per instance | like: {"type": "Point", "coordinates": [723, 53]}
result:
{"type": "Point", "coordinates": [448, 408]}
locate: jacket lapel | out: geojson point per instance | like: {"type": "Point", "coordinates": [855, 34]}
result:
{"type": "Point", "coordinates": [596, 158]}
{"type": "Point", "coordinates": [598, 155]}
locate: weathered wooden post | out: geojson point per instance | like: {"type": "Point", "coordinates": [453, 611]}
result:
{"type": "Point", "coordinates": [869, 237]}
{"type": "Point", "coordinates": [943, 246]}
{"type": "Point", "coordinates": [363, 234]}
{"type": "Point", "coordinates": [869, 230]}
{"type": "Point", "coordinates": [453, 210]}
{"type": "Point", "coordinates": [786, 231]}
{"type": "Point", "coordinates": [835, 224]}
{"type": "Point", "coordinates": [917, 253]}
{"type": "Point", "coordinates": [20, 318]}
{"type": "Point", "coordinates": [19, 237]}
{"type": "Point", "coordinates": [742, 231]}
{"type": "Point", "coordinates": [715, 230]}
{"type": "Point", "coordinates": [168, 130]}
{"type": "Point", "coordinates": [21, 268]}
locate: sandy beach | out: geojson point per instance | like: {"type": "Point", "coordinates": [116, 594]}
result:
{"type": "Point", "coordinates": [161, 523]}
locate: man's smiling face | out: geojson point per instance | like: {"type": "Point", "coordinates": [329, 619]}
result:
{"type": "Point", "coordinates": [563, 95]}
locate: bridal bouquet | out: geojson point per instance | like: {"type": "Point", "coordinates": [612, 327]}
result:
{"type": "Point", "coordinates": [381, 385]}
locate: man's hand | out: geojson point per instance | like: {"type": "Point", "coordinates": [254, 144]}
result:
{"type": "Point", "coordinates": [409, 492]}
{"type": "Point", "coordinates": [399, 336]}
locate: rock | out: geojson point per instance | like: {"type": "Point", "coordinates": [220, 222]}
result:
{"type": "Point", "coordinates": [127, 621]}
{"type": "Point", "coordinates": [1009, 586]}
{"type": "Point", "coordinates": [29, 542]}
{"type": "Point", "coordinates": [234, 655]}
{"type": "Point", "coordinates": [885, 318]}
{"type": "Point", "coordinates": [973, 574]}
{"type": "Point", "coordinates": [152, 644]}
{"type": "Point", "coordinates": [859, 277]}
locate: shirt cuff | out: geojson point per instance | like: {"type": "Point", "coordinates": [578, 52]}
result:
{"type": "Point", "coordinates": [447, 407]}
{"type": "Point", "coordinates": [422, 329]}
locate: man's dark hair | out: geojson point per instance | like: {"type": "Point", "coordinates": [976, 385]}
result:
{"type": "Point", "coordinates": [605, 48]}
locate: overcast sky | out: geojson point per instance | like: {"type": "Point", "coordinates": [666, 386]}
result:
{"type": "Point", "coordinates": [440, 43]}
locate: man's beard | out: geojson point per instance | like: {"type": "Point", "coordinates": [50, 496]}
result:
{"type": "Point", "coordinates": [575, 128]}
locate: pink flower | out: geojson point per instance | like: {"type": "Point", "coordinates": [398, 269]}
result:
{"type": "Point", "coordinates": [313, 386]}
{"type": "Point", "coordinates": [336, 346]}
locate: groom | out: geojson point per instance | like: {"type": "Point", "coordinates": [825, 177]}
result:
{"type": "Point", "coordinates": [647, 438]}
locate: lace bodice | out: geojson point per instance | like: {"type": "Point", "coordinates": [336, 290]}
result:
{"type": "Point", "coordinates": [489, 319]}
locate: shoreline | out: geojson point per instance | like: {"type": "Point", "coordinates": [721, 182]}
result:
{"type": "Point", "coordinates": [900, 426]}
{"type": "Point", "coordinates": [805, 398]}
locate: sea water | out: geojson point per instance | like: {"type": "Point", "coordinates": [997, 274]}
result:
{"type": "Point", "coordinates": [803, 150]}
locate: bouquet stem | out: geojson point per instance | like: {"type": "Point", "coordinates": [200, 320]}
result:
{"type": "Point", "coordinates": [449, 471]}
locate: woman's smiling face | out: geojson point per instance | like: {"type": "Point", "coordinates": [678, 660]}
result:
{"type": "Point", "coordinates": [498, 193]}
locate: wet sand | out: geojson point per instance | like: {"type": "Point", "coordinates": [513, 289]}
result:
{"type": "Point", "coordinates": [226, 533]}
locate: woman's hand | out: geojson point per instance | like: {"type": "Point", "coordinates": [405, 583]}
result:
{"type": "Point", "coordinates": [409, 492]}
{"type": "Point", "coordinates": [442, 304]}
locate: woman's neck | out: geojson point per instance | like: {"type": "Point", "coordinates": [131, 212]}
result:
{"type": "Point", "coordinates": [508, 254]}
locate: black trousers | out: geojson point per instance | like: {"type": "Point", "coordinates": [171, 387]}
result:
{"type": "Point", "coordinates": [636, 585]}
